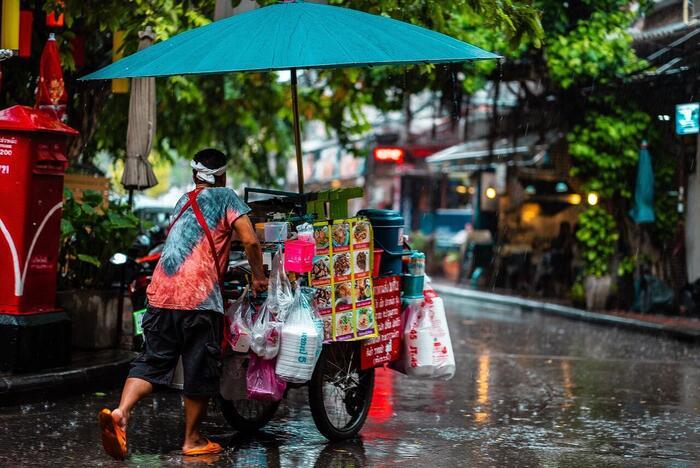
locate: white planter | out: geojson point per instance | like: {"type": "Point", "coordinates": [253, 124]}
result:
{"type": "Point", "coordinates": [597, 291]}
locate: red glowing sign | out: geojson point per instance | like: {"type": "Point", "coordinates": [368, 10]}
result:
{"type": "Point", "coordinates": [393, 155]}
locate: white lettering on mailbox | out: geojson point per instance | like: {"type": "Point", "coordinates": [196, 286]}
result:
{"type": "Point", "coordinates": [7, 146]}
{"type": "Point", "coordinates": [4, 169]}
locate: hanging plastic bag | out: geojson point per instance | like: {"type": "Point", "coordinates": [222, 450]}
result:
{"type": "Point", "coordinates": [262, 382]}
{"type": "Point", "coordinates": [427, 347]}
{"type": "Point", "coordinates": [280, 289]}
{"type": "Point", "coordinates": [265, 332]}
{"type": "Point", "coordinates": [238, 319]}
{"type": "Point", "coordinates": [418, 342]}
{"type": "Point", "coordinates": [232, 384]}
{"type": "Point", "coordinates": [302, 338]}
{"type": "Point", "coordinates": [443, 355]}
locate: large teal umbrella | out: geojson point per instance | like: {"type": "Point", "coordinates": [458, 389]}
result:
{"type": "Point", "coordinates": [291, 36]}
{"type": "Point", "coordinates": [643, 209]}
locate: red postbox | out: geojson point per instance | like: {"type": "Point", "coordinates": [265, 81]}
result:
{"type": "Point", "coordinates": [32, 165]}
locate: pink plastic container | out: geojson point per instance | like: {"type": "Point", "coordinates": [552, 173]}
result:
{"type": "Point", "coordinates": [299, 256]}
{"type": "Point", "coordinates": [377, 262]}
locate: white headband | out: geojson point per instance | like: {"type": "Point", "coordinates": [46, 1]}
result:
{"type": "Point", "coordinates": [206, 174]}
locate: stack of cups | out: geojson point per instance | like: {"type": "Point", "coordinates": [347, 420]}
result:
{"type": "Point", "coordinates": [298, 351]}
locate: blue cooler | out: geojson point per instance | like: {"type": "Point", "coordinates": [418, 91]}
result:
{"type": "Point", "coordinates": [387, 226]}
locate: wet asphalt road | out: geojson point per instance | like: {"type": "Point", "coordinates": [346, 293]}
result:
{"type": "Point", "coordinates": [530, 390]}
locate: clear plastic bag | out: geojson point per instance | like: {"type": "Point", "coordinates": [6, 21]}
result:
{"type": "Point", "coordinates": [427, 347]}
{"type": "Point", "coordinates": [280, 295]}
{"type": "Point", "coordinates": [302, 338]}
{"type": "Point", "coordinates": [265, 332]}
{"type": "Point", "coordinates": [238, 319]}
{"type": "Point", "coordinates": [262, 382]}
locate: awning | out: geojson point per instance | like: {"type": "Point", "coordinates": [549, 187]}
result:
{"type": "Point", "coordinates": [528, 150]}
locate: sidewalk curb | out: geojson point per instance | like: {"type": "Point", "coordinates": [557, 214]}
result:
{"type": "Point", "coordinates": [22, 387]}
{"type": "Point", "coordinates": [570, 312]}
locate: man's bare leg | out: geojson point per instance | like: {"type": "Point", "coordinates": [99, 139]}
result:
{"type": "Point", "coordinates": [195, 412]}
{"type": "Point", "coordinates": [134, 390]}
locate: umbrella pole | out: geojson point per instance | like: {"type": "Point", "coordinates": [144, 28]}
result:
{"type": "Point", "coordinates": [131, 197]}
{"type": "Point", "coordinates": [297, 132]}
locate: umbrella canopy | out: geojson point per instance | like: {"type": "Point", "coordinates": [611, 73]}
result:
{"type": "Point", "coordinates": [138, 173]}
{"type": "Point", "coordinates": [292, 36]}
{"type": "Point", "coordinates": [643, 209]}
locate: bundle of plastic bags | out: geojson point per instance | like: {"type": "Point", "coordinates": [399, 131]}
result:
{"type": "Point", "coordinates": [238, 319]}
{"type": "Point", "coordinates": [302, 337]}
{"type": "Point", "coordinates": [427, 347]}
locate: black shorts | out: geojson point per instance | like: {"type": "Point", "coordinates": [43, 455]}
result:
{"type": "Point", "coordinates": [193, 334]}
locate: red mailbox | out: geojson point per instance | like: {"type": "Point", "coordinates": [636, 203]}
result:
{"type": "Point", "coordinates": [32, 164]}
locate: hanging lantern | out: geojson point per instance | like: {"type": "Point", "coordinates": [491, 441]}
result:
{"type": "Point", "coordinates": [9, 34]}
{"type": "Point", "coordinates": [26, 21]}
{"type": "Point", "coordinates": [54, 19]}
{"type": "Point", "coordinates": [77, 48]}
{"type": "Point", "coordinates": [119, 85]}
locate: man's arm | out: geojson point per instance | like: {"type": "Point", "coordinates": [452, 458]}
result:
{"type": "Point", "coordinates": [246, 233]}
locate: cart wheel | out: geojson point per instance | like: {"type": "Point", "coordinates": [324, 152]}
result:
{"type": "Point", "coordinates": [247, 415]}
{"type": "Point", "coordinates": [340, 394]}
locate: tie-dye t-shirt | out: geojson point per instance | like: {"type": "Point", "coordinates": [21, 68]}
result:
{"type": "Point", "coordinates": [185, 277]}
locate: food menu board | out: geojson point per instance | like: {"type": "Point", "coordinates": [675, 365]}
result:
{"type": "Point", "coordinates": [387, 346]}
{"type": "Point", "coordinates": [342, 277]}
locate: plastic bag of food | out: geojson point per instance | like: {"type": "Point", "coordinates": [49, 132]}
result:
{"type": "Point", "coordinates": [443, 355]}
{"type": "Point", "coordinates": [427, 348]}
{"type": "Point", "coordinates": [265, 332]}
{"type": "Point", "coordinates": [262, 382]}
{"type": "Point", "coordinates": [305, 232]}
{"type": "Point", "coordinates": [280, 295]}
{"type": "Point", "coordinates": [302, 337]}
{"type": "Point", "coordinates": [238, 320]}
{"type": "Point", "coordinates": [417, 342]}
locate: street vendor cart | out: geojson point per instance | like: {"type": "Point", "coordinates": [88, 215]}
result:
{"type": "Point", "coordinates": [340, 390]}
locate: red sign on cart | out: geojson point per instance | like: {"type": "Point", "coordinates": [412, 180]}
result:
{"type": "Point", "coordinates": [386, 347]}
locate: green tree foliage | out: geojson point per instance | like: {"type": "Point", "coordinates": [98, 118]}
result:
{"type": "Point", "coordinates": [605, 148]}
{"type": "Point", "coordinates": [598, 235]}
{"type": "Point", "coordinates": [91, 232]}
{"type": "Point", "coordinates": [598, 50]}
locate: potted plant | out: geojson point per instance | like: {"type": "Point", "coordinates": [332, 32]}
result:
{"type": "Point", "coordinates": [91, 232]}
{"type": "Point", "coordinates": [598, 236]}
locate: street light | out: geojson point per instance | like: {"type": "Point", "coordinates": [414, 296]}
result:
{"type": "Point", "coordinates": [574, 199]}
{"type": "Point", "coordinates": [490, 193]}
{"type": "Point", "coordinates": [592, 198]}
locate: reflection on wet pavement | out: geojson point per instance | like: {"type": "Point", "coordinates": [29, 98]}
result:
{"type": "Point", "coordinates": [530, 390]}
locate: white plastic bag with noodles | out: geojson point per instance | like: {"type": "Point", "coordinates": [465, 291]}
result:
{"type": "Point", "coordinates": [280, 292]}
{"type": "Point", "coordinates": [301, 340]}
{"type": "Point", "coordinates": [238, 320]}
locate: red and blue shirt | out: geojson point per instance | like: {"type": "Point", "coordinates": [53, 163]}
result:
{"type": "Point", "coordinates": [186, 276]}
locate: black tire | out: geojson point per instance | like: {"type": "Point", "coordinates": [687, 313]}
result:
{"type": "Point", "coordinates": [338, 370]}
{"type": "Point", "coordinates": [247, 415]}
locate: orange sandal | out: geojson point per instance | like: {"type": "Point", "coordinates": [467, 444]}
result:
{"type": "Point", "coordinates": [113, 436]}
{"type": "Point", "coordinates": [209, 449]}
